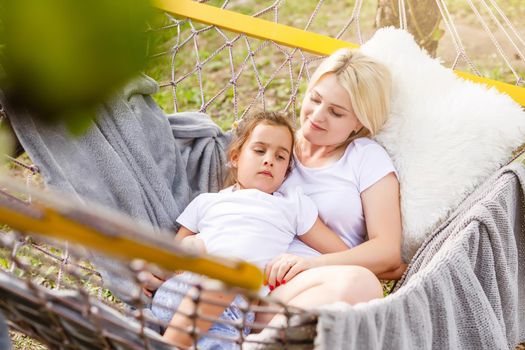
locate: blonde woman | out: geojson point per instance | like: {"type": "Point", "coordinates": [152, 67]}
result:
{"type": "Point", "coordinates": [353, 182]}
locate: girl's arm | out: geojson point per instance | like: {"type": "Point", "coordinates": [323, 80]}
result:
{"type": "Point", "coordinates": [322, 239]}
{"type": "Point", "coordinates": [187, 239]}
{"type": "Point", "coordinates": [153, 282]}
{"type": "Point", "coordinates": [182, 233]}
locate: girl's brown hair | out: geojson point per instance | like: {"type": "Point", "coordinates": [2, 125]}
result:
{"type": "Point", "coordinates": [243, 132]}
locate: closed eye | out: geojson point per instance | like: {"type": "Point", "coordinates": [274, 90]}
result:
{"type": "Point", "coordinates": [315, 100]}
{"type": "Point", "coordinates": [335, 114]}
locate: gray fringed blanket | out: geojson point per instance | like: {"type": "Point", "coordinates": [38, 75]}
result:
{"type": "Point", "coordinates": [134, 159]}
{"type": "Point", "coordinates": [464, 289]}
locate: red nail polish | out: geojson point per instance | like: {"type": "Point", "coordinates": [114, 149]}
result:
{"type": "Point", "coordinates": [271, 288]}
{"type": "Point", "coordinates": [277, 284]}
{"type": "Point", "coordinates": [283, 282]}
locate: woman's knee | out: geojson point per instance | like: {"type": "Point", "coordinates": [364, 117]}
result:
{"type": "Point", "coordinates": [354, 284]}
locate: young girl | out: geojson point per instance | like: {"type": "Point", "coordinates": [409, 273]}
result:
{"type": "Point", "coordinates": [250, 220]}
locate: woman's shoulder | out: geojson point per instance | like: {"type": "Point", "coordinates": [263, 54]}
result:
{"type": "Point", "coordinates": [364, 147]}
{"type": "Point", "coordinates": [371, 162]}
{"type": "Point", "coordinates": [364, 144]}
{"type": "Point", "coordinates": [289, 192]}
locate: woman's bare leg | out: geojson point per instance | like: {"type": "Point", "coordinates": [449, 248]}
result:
{"type": "Point", "coordinates": [325, 285]}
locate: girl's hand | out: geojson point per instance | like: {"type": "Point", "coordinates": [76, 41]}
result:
{"type": "Point", "coordinates": [285, 267]}
{"type": "Point", "coordinates": [151, 284]}
{"type": "Point", "coordinates": [194, 244]}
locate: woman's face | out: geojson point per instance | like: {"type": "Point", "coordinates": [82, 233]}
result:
{"type": "Point", "coordinates": [327, 116]}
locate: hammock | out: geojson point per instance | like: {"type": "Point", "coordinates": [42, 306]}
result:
{"type": "Point", "coordinates": [25, 297]}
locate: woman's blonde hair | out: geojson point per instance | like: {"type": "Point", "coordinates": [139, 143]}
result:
{"type": "Point", "coordinates": [368, 84]}
{"type": "Point", "coordinates": [245, 129]}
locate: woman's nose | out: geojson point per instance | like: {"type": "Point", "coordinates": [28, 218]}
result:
{"type": "Point", "coordinates": [268, 162]}
{"type": "Point", "coordinates": [318, 114]}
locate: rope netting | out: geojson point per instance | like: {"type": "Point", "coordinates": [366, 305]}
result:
{"type": "Point", "coordinates": [59, 297]}
{"type": "Point", "coordinates": [253, 73]}
{"type": "Point", "coordinates": [247, 73]}
{"type": "Point", "coordinates": [51, 291]}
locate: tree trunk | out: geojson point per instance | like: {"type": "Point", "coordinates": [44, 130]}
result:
{"type": "Point", "coordinates": [423, 19]}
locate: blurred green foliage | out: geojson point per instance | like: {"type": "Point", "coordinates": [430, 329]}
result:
{"type": "Point", "coordinates": [62, 57]}
{"type": "Point", "coordinates": [6, 142]}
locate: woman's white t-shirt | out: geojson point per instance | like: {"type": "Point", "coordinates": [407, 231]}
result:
{"type": "Point", "coordinates": [336, 190]}
{"type": "Point", "coordinates": [249, 224]}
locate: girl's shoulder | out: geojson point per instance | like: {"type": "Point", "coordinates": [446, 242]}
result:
{"type": "Point", "coordinates": [208, 196]}
{"type": "Point", "coordinates": [227, 190]}
{"type": "Point", "coordinates": [291, 194]}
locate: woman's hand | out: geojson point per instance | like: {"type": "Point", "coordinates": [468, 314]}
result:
{"type": "Point", "coordinates": [285, 267]}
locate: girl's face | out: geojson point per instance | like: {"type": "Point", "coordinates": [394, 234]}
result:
{"type": "Point", "coordinates": [327, 116]}
{"type": "Point", "coordinates": [263, 160]}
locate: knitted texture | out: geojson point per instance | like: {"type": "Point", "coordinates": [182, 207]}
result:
{"type": "Point", "coordinates": [464, 289]}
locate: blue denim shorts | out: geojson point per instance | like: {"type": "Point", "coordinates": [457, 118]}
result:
{"type": "Point", "coordinates": [169, 296]}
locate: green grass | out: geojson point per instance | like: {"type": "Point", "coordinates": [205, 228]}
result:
{"type": "Point", "coordinates": [513, 9]}
{"type": "Point", "coordinates": [24, 342]}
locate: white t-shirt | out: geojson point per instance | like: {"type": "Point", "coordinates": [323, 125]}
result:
{"type": "Point", "coordinates": [249, 224]}
{"type": "Point", "coordinates": [336, 190]}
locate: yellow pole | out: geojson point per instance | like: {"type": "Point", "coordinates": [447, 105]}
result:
{"type": "Point", "coordinates": [114, 234]}
{"type": "Point", "coordinates": [253, 27]}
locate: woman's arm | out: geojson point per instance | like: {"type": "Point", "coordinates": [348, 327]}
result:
{"type": "Point", "coordinates": [382, 252]}
{"type": "Point", "coordinates": [322, 239]}
{"type": "Point", "coordinates": [286, 266]}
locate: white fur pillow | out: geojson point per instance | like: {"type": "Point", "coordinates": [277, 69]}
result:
{"type": "Point", "coordinates": [445, 134]}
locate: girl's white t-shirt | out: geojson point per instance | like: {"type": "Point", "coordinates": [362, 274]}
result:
{"type": "Point", "coordinates": [249, 224]}
{"type": "Point", "coordinates": [336, 190]}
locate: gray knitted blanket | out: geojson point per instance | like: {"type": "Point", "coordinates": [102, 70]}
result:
{"type": "Point", "coordinates": [464, 289]}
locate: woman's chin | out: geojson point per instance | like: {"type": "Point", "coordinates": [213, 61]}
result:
{"type": "Point", "coordinates": [315, 138]}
